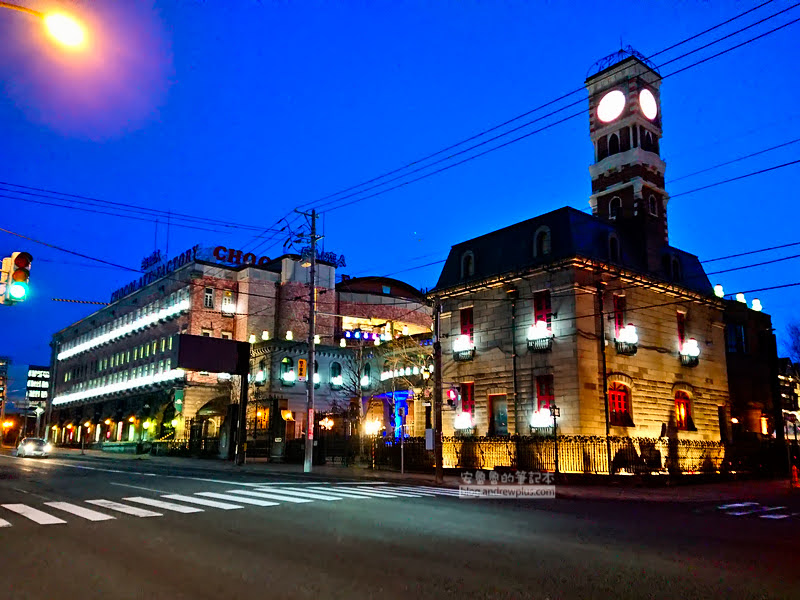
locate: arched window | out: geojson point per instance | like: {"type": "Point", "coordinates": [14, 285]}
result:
{"type": "Point", "coordinates": [613, 144]}
{"type": "Point", "coordinates": [467, 265]}
{"type": "Point", "coordinates": [541, 242]}
{"type": "Point", "coordinates": [619, 405]}
{"type": "Point", "coordinates": [683, 410]}
{"type": "Point", "coordinates": [613, 248]}
{"type": "Point", "coordinates": [647, 142]}
{"type": "Point", "coordinates": [653, 205]}
{"type": "Point", "coordinates": [336, 375]}
{"type": "Point", "coordinates": [614, 208]}
{"type": "Point", "coordinates": [288, 375]}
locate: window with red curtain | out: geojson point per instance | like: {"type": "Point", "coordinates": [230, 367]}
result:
{"type": "Point", "coordinates": [681, 328]}
{"type": "Point", "coordinates": [544, 392]}
{"type": "Point", "coordinates": [682, 410]}
{"type": "Point", "coordinates": [619, 397]}
{"type": "Point", "coordinates": [619, 313]}
{"type": "Point", "coordinates": [467, 327]}
{"type": "Point", "coordinates": [468, 397]}
{"type": "Point", "coordinates": [541, 307]}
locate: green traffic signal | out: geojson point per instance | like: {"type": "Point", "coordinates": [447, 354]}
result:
{"type": "Point", "coordinates": [18, 291]}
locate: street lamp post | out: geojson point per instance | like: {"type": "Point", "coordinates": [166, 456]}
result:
{"type": "Point", "coordinates": [64, 29]}
{"type": "Point", "coordinates": [555, 412]}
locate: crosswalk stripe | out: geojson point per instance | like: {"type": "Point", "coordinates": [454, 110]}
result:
{"type": "Point", "coordinates": [124, 508]}
{"type": "Point", "coordinates": [432, 490]}
{"type": "Point", "coordinates": [34, 514]}
{"type": "Point", "coordinates": [352, 493]}
{"type": "Point", "coordinates": [270, 496]}
{"type": "Point", "coordinates": [237, 499]}
{"type": "Point", "coordinates": [304, 494]}
{"type": "Point", "coordinates": [402, 494]}
{"type": "Point", "coordinates": [79, 511]}
{"type": "Point", "coordinates": [406, 488]}
{"type": "Point", "coordinates": [4, 523]}
{"type": "Point", "coordinates": [165, 505]}
{"type": "Point", "coordinates": [201, 501]}
{"type": "Point", "coordinates": [774, 516]}
{"type": "Point", "coordinates": [737, 505]}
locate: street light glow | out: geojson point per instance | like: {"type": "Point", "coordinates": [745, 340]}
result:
{"type": "Point", "coordinates": [65, 30]}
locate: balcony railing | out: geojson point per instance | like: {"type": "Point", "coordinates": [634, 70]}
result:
{"type": "Point", "coordinates": [540, 345]}
{"type": "Point", "coordinates": [626, 348]}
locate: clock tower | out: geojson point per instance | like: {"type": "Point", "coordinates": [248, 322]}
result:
{"type": "Point", "coordinates": [628, 172]}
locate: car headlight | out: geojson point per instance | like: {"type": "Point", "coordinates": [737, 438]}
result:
{"type": "Point", "coordinates": [47, 447]}
{"type": "Point", "coordinates": [28, 447]}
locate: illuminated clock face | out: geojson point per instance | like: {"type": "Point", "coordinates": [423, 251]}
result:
{"type": "Point", "coordinates": [611, 106]}
{"type": "Point", "coordinates": [647, 102]}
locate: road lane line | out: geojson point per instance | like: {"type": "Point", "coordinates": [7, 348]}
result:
{"type": "Point", "coordinates": [202, 501]}
{"type": "Point", "coordinates": [165, 505]}
{"type": "Point", "coordinates": [35, 515]}
{"type": "Point", "coordinates": [773, 516]}
{"type": "Point", "coordinates": [270, 496]}
{"type": "Point", "coordinates": [79, 511]}
{"type": "Point", "coordinates": [124, 508]}
{"type": "Point", "coordinates": [140, 487]}
{"type": "Point", "coordinates": [4, 523]}
{"type": "Point", "coordinates": [438, 491]}
{"type": "Point", "coordinates": [304, 494]}
{"type": "Point", "coordinates": [237, 499]}
{"type": "Point", "coordinates": [401, 493]}
{"type": "Point", "coordinates": [351, 493]}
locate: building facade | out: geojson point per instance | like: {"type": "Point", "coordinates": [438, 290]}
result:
{"type": "Point", "coordinates": [597, 313]}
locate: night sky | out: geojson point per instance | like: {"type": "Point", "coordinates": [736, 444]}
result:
{"type": "Point", "coordinates": [240, 111]}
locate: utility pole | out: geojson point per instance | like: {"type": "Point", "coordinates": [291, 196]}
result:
{"type": "Point", "coordinates": [604, 375]}
{"type": "Point", "coordinates": [312, 310]}
{"type": "Point", "coordinates": [513, 295]}
{"type": "Point", "coordinates": [437, 390]}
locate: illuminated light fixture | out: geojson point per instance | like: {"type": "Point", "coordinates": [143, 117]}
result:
{"type": "Point", "coordinates": [326, 423]}
{"type": "Point", "coordinates": [385, 337]}
{"type": "Point", "coordinates": [377, 342]}
{"type": "Point", "coordinates": [265, 335]}
{"type": "Point", "coordinates": [611, 106]}
{"type": "Point", "coordinates": [146, 424]}
{"type": "Point", "coordinates": [223, 376]}
{"type": "Point", "coordinates": [365, 381]}
{"type": "Point", "coordinates": [342, 343]}
{"type": "Point", "coordinates": [690, 348]}
{"type": "Point", "coordinates": [337, 380]}
{"type": "Point", "coordinates": [764, 426]}
{"type": "Point", "coordinates": [107, 421]}
{"type": "Point", "coordinates": [289, 335]}
{"type": "Point", "coordinates": [734, 420]}
{"type": "Point", "coordinates": [290, 376]}
{"type": "Point", "coordinates": [316, 339]}
{"type": "Point", "coordinates": [316, 377]}
{"type": "Point", "coordinates": [540, 337]}
{"type": "Point", "coordinates": [372, 427]}
{"type": "Point", "coordinates": [114, 334]}
{"type": "Point", "coordinates": [463, 421]}
{"type": "Point", "coordinates": [252, 338]}
{"type": "Point", "coordinates": [357, 335]}
{"type": "Point", "coordinates": [541, 418]}
{"type": "Point", "coordinates": [627, 340]}
{"type": "Point", "coordinates": [415, 371]}
{"type": "Point", "coordinates": [260, 377]}
{"type": "Point", "coordinates": [17, 290]}
{"type": "Point", "coordinates": [386, 375]}
{"type": "Point", "coordinates": [405, 329]}
{"type": "Point", "coordinates": [740, 298]}
{"type": "Point", "coordinates": [65, 30]}
{"type": "Point", "coordinates": [228, 309]}
{"type": "Point", "coordinates": [286, 415]}
{"type": "Point", "coordinates": [121, 386]}
{"type": "Point", "coordinates": [463, 348]}
{"type": "Point", "coordinates": [347, 334]}
{"type": "Point", "coordinates": [131, 419]}
{"type": "Point", "coordinates": [69, 425]}
{"type": "Point", "coordinates": [174, 423]}
{"type": "Point", "coordinates": [756, 305]}
{"type": "Point", "coordinates": [87, 424]}
{"type": "Point", "coordinates": [718, 291]}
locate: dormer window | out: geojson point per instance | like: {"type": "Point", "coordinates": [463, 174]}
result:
{"type": "Point", "coordinates": [614, 208]}
{"type": "Point", "coordinates": [467, 265]}
{"type": "Point", "coordinates": [541, 242]}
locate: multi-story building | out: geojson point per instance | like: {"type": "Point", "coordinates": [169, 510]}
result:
{"type": "Point", "coordinates": [789, 389]}
{"type": "Point", "coordinates": [597, 313]}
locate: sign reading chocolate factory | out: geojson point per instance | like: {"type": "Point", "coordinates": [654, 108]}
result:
{"type": "Point", "coordinates": [156, 273]}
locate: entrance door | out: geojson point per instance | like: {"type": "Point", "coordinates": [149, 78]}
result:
{"type": "Point", "coordinates": [498, 414]}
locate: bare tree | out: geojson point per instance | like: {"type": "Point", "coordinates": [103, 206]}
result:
{"type": "Point", "coordinates": [793, 344]}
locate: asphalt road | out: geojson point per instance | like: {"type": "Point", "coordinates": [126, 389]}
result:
{"type": "Point", "coordinates": [326, 538]}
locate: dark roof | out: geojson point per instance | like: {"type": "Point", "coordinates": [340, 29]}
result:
{"type": "Point", "coordinates": [572, 234]}
{"type": "Point", "coordinates": [379, 285]}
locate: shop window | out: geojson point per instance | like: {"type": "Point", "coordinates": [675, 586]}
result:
{"type": "Point", "coordinates": [619, 405]}
{"type": "Point", "coordinates": [683, 414]}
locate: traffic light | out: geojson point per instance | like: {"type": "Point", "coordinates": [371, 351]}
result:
{"type": "Point", "coordinates": [16, 273]}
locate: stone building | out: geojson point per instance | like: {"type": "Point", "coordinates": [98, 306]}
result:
{"type": "Point", "coordinates": [595, 313]}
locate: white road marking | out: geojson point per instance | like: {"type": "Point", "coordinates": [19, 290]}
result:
{"type": "Point", "coordinates": [270, 496]}
{"type": "Point", "coordinates": [407, 488]}
{"type": "Point", "coordinates": [396, 492]}
{"type": "Point", "coordinates": [165, 505]}
{"type": "Point", "coordinates": [237, 499]}
{"type": "Point", "coordinates": [202, 501]}
{"type": "Point", "coordinates": [124, 508]}
{"type": "Point", "coordinates": [304, 494]}
{"type": "Point", "coordinates": [737, 505]}
{"type": "Point", "coordinates": [79, 511]}
{"type": "Point", "coordinates": [773, 516]}
{"type": "Point", "coordinates": [140, 487]}
{"type": "Point", "coordinates": [435, 490]}
{"type": "Point", "coordinates": [350, 493]}
{"type": "Point", "coordinates": [4, 523]}
{"type": "Point", "coordinates": [35, 515]}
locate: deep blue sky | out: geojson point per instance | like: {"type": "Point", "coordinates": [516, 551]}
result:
{"type": "Point", "coordinates": [241, 111]}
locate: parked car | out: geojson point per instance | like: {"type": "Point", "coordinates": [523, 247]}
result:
{"type": "Point", "coordinates": [34, 447]}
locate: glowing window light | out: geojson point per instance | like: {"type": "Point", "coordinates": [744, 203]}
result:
{"type": "Point", "coordinates": [690, 348]}
{"type": "Point", "coordinates": [122, 386]}
{"type": "Point", "coordinates": [628, 335]}
{"type": "Point", "coordinates": [718, 291]}
{"type": "Point", "coordinates": [539, 331]}
{"type": "Point", "coordinates": [118, 332]}
{"type": "Point", "coordinates": [611, 106]}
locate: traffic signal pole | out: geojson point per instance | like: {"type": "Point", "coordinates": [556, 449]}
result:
{"type": "Point", "coordinates": [437, 391]}
{"type": "Point", "coordinates": [312, 313]}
